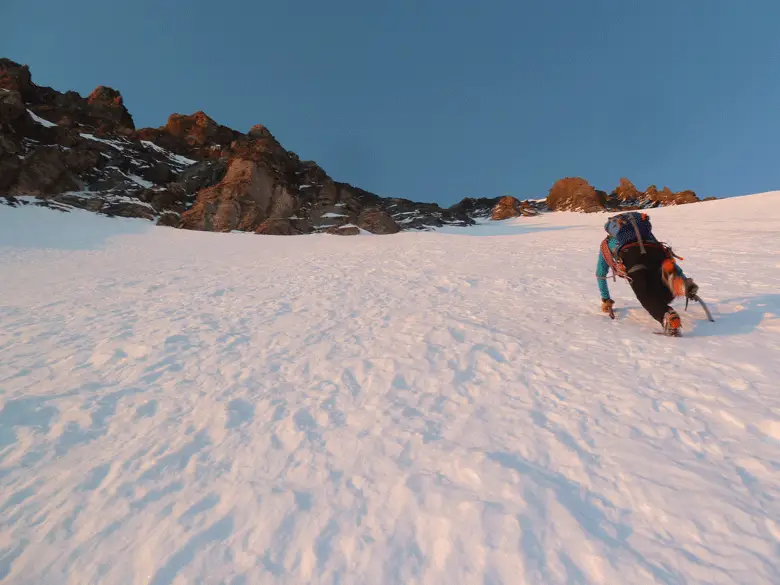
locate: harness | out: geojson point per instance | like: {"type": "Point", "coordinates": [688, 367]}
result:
{"type": "Point", "coordinates": [616, 264]}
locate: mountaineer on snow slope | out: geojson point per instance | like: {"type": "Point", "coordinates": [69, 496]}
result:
{"type": "Point", "coordinates": [632, 252]}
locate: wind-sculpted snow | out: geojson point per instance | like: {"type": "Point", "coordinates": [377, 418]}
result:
{"type": "Point", "coordinates": [438, 408]}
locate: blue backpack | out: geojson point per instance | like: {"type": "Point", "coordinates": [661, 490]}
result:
{"type": "Point", "coordinates": [630, 227]}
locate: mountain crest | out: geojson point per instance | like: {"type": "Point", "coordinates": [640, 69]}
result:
{"type": "Point", "coordinates": [66, 151]}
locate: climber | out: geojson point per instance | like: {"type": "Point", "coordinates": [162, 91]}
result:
{"type": "Point", "coordinates": [633, 253]}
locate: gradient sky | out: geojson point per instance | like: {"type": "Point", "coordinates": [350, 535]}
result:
{"type": "Point", "coordinates": [437, 100]}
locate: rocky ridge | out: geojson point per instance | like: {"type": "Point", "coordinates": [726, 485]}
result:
{"type": "Point", "coordinates": [64, 150]}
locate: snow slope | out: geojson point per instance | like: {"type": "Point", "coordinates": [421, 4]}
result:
{"type": "Point", "coordinates": [438, 408]}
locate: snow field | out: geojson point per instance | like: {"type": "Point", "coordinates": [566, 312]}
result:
{"type": "Point", "coordinates": [182, 407]}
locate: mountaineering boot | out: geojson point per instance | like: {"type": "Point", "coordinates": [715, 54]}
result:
{"type": "Point", "coordinates": [672, 279]}
{"type": "Point", "coordinates": [672, 324]}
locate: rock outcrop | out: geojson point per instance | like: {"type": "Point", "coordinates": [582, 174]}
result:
{"type": "Point", "coordinates": [103, 110]}
{"type": "Point", "coordinates": [626, 195]}
{"type": "Point", "coordinates": [247, 196]}
{"type": "Point", "coordinates": [627, 192]}
{"type": "Point", "coordinates": [196, 136]}
{"type": "Point", "coordinates": [575, 194]}
{"type": "Point", "coordinates": [667, 197]}
{"type": "Point", "coordinates": [509, 207]}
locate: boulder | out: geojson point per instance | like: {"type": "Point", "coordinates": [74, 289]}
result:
{"type": "Point", "coordinates": [508, 207]}
{"type": "Point", "coordinates": [668, 197]}
{"type": "Point", "coordinates": [575, 194]}
{"type": "Point", "coordinates": [282, 227]}
{"type": "Point", "coordinates": [171, 198]}
{"type": "Point", "coordinates": [684, 197]}
{"type": "Point", "coordinates": [169, 219]}
{"type": "Point", "coordinates": [376, 221]}
{"type": "Point", "coordinates": [128, 209]}
{"type": "Point", "coordinates": [344, 230]}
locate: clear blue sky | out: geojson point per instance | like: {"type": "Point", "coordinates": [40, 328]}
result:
{"type": "Point", "coordinates": [436, 100]}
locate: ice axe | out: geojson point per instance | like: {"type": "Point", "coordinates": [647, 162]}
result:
{"type": "Point", "coordinates": [697, 298]}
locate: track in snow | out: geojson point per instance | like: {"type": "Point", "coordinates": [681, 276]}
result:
{"type": "Point", "coordinates": [180, 407]}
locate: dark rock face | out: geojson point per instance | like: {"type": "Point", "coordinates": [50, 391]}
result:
{"type": "Point", "coordinates": [13, 122]}
{"type": "Point", "coordinates": [410, 215]}
{"type": "Point", "coordinates": [66, 151]}
{"type": "Point", "coordinates": [48, 170]}
{"type": "Point", "coordinates": [106, 105]}
{"type": "Point", "coordinates": [201, 175]}
{"type": "Point", "coordinates": [9, 172]}
{"type": "Point", "coordinates": [103, 110]}
{"type": "Point", "coordinates": [158, 173]}
{"type": "Point", "coordinates": [12, 107]}
{"type": "Point", "coordinates": [17, 78]}
{"type": "Point", "coordinates": [475, 207]}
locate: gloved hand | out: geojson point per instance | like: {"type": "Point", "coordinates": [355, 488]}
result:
{"type": "Point", "coordinates": [606, 305]}
{"type": "Point", "coordinates": [691, 288]}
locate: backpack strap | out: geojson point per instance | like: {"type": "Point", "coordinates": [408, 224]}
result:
{"type": "Point", "coordinates": [632, 219]}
